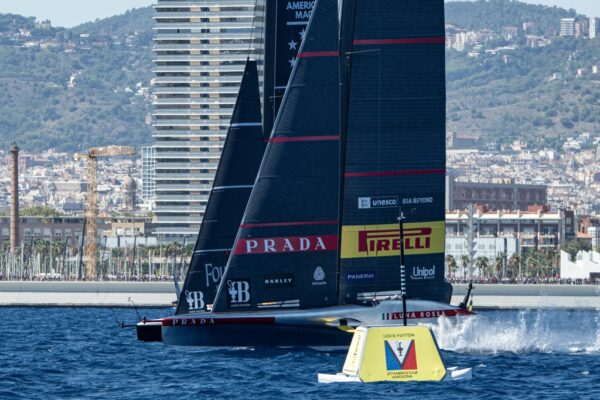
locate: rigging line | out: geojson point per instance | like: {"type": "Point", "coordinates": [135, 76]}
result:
{"type": "Point", "coordinates": [251, 41]}
{"type": "Point", "coordinates": [262, 29]}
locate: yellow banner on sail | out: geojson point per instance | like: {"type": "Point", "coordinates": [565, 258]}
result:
{"type": "Point", "coordinates": [384, 240]}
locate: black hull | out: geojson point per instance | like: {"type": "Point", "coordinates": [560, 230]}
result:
{"type": "Point", "coordinates": [259, 336]}
{"type": "Point", "coordinates": [149, 332]}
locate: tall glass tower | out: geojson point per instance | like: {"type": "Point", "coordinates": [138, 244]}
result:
{"type": "Point", "coordinates": [200, 49]}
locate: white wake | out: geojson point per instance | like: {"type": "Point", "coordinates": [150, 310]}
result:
{"type": "Point", "coordinates": [529, 331]}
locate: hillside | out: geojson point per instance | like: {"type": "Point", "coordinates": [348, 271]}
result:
{"type": "Point", "coordinates": [89, 85]}
{"type": "Point", "coordinates": [74, 88]}
{"type": "Point", "coordinates": [539, 95]}
{"type": "Point", "coordinates": [496, 14]}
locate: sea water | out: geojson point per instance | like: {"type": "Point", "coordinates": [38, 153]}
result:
{"type": "Point", "coordinates": [48, 353]}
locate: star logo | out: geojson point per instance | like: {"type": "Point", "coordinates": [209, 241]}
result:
{"type": "Point", "coordinates": [302, 33]}
{"type": "Point", "coordinates": [292, 62]}
{"type": "Point", "coordinates": [293, 45]}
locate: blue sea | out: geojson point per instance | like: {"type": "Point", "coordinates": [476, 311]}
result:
{"type": "Point", "coordinates": [53, 353]}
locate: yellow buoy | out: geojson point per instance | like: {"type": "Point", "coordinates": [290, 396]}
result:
{"type": "Point", "coordinates": [397, 353]}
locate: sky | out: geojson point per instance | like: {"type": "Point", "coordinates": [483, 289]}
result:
{"type": "Point", "coordinates": [69, 13]}
{"type": "Point", "coordinates": [591, 8]}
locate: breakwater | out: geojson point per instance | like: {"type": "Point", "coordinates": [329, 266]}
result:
{"type": "Point", "coordinates": [86, 294]}
{"type": "Point", "coordinates": [161, 294]}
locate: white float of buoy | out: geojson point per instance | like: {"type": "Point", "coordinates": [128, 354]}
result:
{"type": "Point", "coordinates": [394, 353]}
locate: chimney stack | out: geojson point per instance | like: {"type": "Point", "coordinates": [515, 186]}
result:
{"type": "Point", "coordinates": [14, 200]}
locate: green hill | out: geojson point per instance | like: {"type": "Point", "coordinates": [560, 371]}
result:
{"type": "Point", "coordinates": [74, 88]}
{"type": "Point", "coordinates": [529, 94]}
{"type": "Point", "coordinates": [496, 14]}
{"type": "Point", "coordinates": [88, 86]}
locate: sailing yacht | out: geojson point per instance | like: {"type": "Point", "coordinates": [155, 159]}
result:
{"type": "Point", "coordinates": [360, 135]}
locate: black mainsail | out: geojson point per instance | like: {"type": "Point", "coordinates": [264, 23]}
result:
{"type": "Point", "coordinates": [393, 140]}
{"type": "Point", "coordinates": [241, 157]}
{"type": "Point", "coordinates": [285, 27]}
{"type": "Point", "coordinates": [286, 250]}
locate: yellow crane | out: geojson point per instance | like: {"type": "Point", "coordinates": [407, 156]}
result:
{"type": "Point", "coordinates": [91, 214]}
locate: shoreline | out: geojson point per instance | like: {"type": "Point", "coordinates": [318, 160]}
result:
{"type": "Point", "coordinates": [162, 294]}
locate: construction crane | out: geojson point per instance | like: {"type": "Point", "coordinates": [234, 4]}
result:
{"type": "Point", "coordinates": [91, 214]}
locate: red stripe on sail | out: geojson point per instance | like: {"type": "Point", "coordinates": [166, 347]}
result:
{"type": "Point", "coordinates": [279, 224]}
{"type": "Point", "coordinates": [395, 173]}
{"type": "Point", "coordinates": [304, 139]}
{"type": "Point", "coordinates": [422, 40]}
{"type": "Point", "coordinates": [314, 54]}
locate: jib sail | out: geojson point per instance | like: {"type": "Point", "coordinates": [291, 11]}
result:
{"type": "Point", "coordinates": [286, 254]}
{"type": "Point", "coordinates": [241, 157]}
{"type": "Point", "coordinates": [393, 130]}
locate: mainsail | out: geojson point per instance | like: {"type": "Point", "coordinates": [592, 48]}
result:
{"type": "Point", "coordinates": [393, 141]}
{"type": "Point", "coordinates": [286, 250]}
{"type": "Point", "coordinates": [286, 23]}
{"type": "Point", "coordinates": [241, 157]}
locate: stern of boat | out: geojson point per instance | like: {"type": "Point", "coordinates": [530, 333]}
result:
{"type": "Point", "coordinates": [149, 331]}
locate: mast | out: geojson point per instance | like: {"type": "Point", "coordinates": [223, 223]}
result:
{"type": "Point", "coordinates": [402, 267]}
{"type": "Point", "coordinates": [393, 149]}
{"type": "Point", "coordinates": [347, 15]}
{"type": "Point", "coordinates": [270, 39]}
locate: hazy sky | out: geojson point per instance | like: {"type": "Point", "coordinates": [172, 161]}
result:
{"type": "Point", "coordinates": [590, 8]}
{"type": "Point", "coordinates": [69, 13]}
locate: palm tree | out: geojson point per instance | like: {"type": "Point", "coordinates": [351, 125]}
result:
{"type": "Point", "coordinates": [452, 265]}
{"type": "Point", "coordinates": [549, 257]}
{"type": "Point", "coordinates": [499, 265]}
{"type": "Point", "coordinates": [464, 262]}
{"type": "Point", "coordinates": [514, 265]}
{"type": "Point", "coordinates": [482, 264]}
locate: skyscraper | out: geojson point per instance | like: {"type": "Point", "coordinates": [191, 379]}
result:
{"type": "Point", "coordinates": [200, 49]}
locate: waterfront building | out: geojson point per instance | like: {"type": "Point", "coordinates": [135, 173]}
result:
{"type": "Point", "coordinates": [585, 265]}
{"type": "Point", "coordinates": [567, 27]}
{"type": "Point", "coordinates": [46, 228]}
{"type": "Point", "coordinates": [200, 49]}
{"type": "Point", "coordinates": [501, 195]}
{"type": "Point", "coordinates": [116, 232]}
{"type": "Point", "coordinates": [504, 233]}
